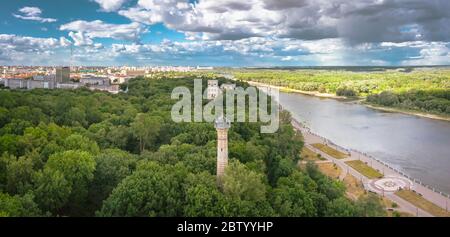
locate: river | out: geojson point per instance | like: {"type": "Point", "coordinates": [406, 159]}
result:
{"type": "Point", "coordinates": [420, 147]}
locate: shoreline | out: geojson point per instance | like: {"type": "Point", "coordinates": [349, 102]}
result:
{"type": "Point", "coordinates": [359, 101]}
{"type": "Point", "coordinates": [430, 193]}
{"type": "Point", "coordinates": [402, 111]}
{"type": "Point", "coordinates": [289, 90]}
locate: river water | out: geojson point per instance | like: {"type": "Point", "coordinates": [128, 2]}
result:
{"type": "Point", "coordinates": [420, 147]}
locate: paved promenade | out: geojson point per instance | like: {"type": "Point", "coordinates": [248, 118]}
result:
{"type": "Point", "coordinates": [393, 176]}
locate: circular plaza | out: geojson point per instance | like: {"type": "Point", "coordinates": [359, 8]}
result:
{"type": "Point", "coordinates": [390, 184]}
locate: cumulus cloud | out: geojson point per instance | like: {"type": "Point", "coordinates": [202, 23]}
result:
{"type": "Point", "coordinates": [322, 32]}
{"type": "Point", "coordinates": [88, 30]}
{"type": "Point", "coordinates": [110, 5]}
{"type": "Point", "coordinates": [434, 53]}
{"type": "Point", "coordinates": [16, 48]}
{"type": "Point", "coordinates": [29, 44]}
{"type": "Point", "coordinates": [80, 39]}
{"type": "Point", "coordinates": [32, 14]}
{"type": "Point", "coordinates": [364, 21]}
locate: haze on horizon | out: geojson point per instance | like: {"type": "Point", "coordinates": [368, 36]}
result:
{"type": "Point", "coordinates": [260, 33]}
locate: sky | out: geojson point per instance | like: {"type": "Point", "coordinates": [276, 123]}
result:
{"type": "Point", "coordinates": [237, 33]}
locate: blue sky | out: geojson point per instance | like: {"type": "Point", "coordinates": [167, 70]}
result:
{"type": "Point", "coordinates": [225, 33]}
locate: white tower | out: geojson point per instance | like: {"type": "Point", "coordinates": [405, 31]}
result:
{"type": "Point", "coordinates": [222, 125]}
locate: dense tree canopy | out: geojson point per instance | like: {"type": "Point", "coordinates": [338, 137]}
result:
{"type": "Point", "coordinates": [83, 153]}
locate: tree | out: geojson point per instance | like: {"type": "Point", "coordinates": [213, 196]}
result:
{"type": "Point", "coordinates": [146, 128]}
{"type": "Point", "coordinates": [78, 168]}
{"type": "Point", "coordinates": [19, 174]}
{"type": "Point", "coordinates": [10, 144]}
{"type": "Point", "coordinates": [79, 142]}
{"type": "Point", "coordinates": [52, 190]}
{"type": "Point", "coordinates": [241, 183]}
{"type": "Point", "coordinates": [370, 205]}
{"type": "Point", "coordinates": [5, 160]}
{"type": "Point", "coordinates": [4, 116]}
{"type": "Point", "coordinates": [203, 198]}
{"type": "Point", "coordinates": [112, 167]}
{"type": "Point", "coordinates": [293, 196]}
{"type": "Point", "coordinates": [15, 127]}
{"type": "Point", "coordinates": [18, 206]}
{"type": "Point", "coordinates": [153, 190]}
{"type": "Point", "coordinates": [345, 92]}
{"type": "Point", "coordinates": [341, 207]}
{"type": "Point", "coordinates": [34, 138]}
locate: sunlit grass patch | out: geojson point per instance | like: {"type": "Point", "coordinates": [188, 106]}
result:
{"type": "Point", "coordinates": [364, 169]}
{"type": "Point", "coordinates": [330, 151]}
{"type": "Point", "coordinates": [422, 203]}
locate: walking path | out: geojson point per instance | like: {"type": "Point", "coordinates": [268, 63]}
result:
{"type": "Point", "coordinates": [386, 186]}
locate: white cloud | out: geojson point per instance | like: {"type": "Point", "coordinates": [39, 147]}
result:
{"type": "Point", "coordinates": [88, 30]}
{"type": "Point", "coordinates": [16, 48]}
{"type": "Point", "coordinates": [110, 5]}
{"type": "Point", "coordinates": [28, 44]}
{"type": "Point", "coordinates": [64, 42]}
{"type": "Point", "coordinates": [287, 58]}
{"type": "Point", "coordinates": [367, 21]}
{"type": "Point", "coordinates": [33, 14]}
{"type": "Point", "coordinates": [434, 53]}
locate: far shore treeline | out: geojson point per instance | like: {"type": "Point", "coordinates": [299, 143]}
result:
{"type": "Point", "coordinates": [413, 89]}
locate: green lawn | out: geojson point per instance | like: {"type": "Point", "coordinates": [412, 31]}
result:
{"type": "Point", "coordinates": [422, 203]}
{"type": "Point", "coordinates": [330, 151]}
{"type": "Point", "coordinates": [364, 169]}
{"type": "Point", "coordinates": [309, 155]}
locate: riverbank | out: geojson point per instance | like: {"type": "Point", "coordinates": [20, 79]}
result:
{"type": "Point", "coordinates": [390, 175]}
{"type": "Point", "coordinates": [360, 101]}
{"type": "Point", "coordinates": [408, 112]}
{"type": "Point", "coordinates": [289, 90]}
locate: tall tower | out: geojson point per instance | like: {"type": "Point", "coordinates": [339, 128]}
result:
{"type": "Point", "coordinates": [222, 125]}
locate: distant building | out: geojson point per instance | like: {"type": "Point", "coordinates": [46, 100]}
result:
{"type": "Point", "coordinates": [68, 85]}
{"type": "Point", "coordinates": [204, 68]}
{"type": "Point", "coordinates": [113, 89]}
{"type": "Point", "coordinates": [35, 84]}
{"type": "Point", "coordinates": [14, 83]}
{"type": "Point", "coordinates": [134, 73]}
{"type": "Point", "coordinates": [213, 89]}
{"type": "Point", "coordinates": [44, 77]}
{"type": "Point", "coordinates": [63, 74]}
{"type": "Point", "coordinates": [95, 81]}
{"type": "Point", "coordinates": [119, 79]}
{"type": "Point", "coordinates": [228, 86]}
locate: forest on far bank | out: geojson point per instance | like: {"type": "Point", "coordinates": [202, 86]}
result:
{"type": "Point", "coordinates": [423, 90]}
{"type": "Point", "coordinates": [84, 153]}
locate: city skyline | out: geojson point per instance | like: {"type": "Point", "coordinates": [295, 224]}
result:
{"type": "Point", "coordinates": [225, 33]}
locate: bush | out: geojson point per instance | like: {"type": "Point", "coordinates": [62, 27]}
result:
{"type": "Point", "coordinates": [345, 92]}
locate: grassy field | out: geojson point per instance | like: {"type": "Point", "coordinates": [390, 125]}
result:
{"type": "Point", "coordinates": [330, 151]}
{"type": "Point", "coordinates": [364, 169]}
{"type": "Point", "coordinates": [354, 187]}
{"type": "Point", "coordinates": [422, 203]}
{"type": "Point", "coordinates": [329, 169]}
{"type": "Point", "coordinates": [309, 155]}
